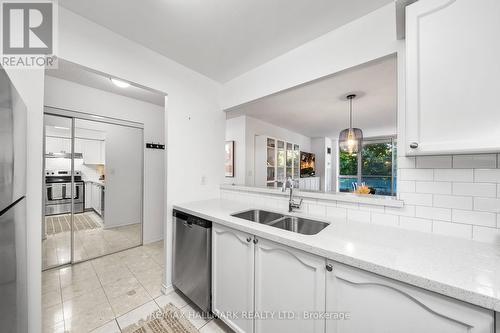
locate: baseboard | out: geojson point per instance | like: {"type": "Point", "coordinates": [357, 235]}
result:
{"type": "Point", "coordinates": [149, 241]}
{"type": "Point", "coordinates": [166, 289]}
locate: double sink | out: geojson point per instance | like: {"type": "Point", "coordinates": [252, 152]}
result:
{"type": "Point", "coordinates": [291, 223]}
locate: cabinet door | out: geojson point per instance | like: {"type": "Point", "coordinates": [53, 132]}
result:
{"type": "Point", "coordinates": [88, 195]}
{"type": "Point", "coordinates": [91, 151]}
{"type": "Point", "coordinates": [452, 76]}
{"type": "Point", "coordinates": [379, 305]}
{"type": "Point", "coordinates": [232, 277]}
{"type": "Point", "coordinates": [289, 284]}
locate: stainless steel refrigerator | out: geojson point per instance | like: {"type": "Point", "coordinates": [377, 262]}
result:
{"type": "Point", "coordinates": [13, 259]}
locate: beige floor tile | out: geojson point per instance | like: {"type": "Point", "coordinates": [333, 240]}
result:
{"type": "Point", "coordinates": [80, 287]}
{"type": "Point", "coordinates": [143, 264]}
{"type": "Point", "coordinates": [129, 301]}
{"type": "Point", "coordinates": [51, 298]}
{"type": "Point", "coordinates": [121, 287]}
{"type": "Point", "coordinates": [90, 319]}
{"type": "Point", "coordinates": [172, 297]}
{"type": "Point", "coordinates": [77, 272]}
{"type": "Point", "coordinates": [137, 314]}
{"type": "Point", "coordinates": [58, 328]}
{"type": "Point", "coordinates": [84, 303]}
{"type": "Point", "coordinates": [114, 273]}
{"type": "Point", "coordinates": [52, 316]}
{"type": "Point", "coordinates": [50, 281]}
{"type": "Point", "coordinates": [110, 327]}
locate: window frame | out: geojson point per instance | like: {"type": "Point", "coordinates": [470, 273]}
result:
{"type": "Point", "coordinates": [359, 176]}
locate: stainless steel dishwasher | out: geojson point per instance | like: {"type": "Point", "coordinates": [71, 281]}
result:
{"type": "Point", "coordinates": [192, 258]}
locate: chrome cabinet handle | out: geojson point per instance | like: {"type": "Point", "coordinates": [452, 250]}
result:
{"type": "Point", "coordinates": [255, 240]}
{"type": "Point", "coordinates": [329, 267]}
{"type": "Point", "coordinates": [414, 145]}
{"type": "Point", "coordinates": [249, 239]}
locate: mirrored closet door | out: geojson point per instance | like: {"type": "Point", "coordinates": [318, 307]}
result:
{"type": "Point", "coordinates": [93, 187]}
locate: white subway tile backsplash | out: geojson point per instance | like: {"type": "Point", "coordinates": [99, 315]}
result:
{"type": "Point", "coordinates": [407, 210]}
{"type": "Point", "coordinates": [471, 217]}
{"type": "Point", "coordinates": [434, 162]}
{"type": "Point", "coordinates": [371, 208]}
{"type": "Point", "coordinates": [358, 216]}
{"type": "Point", "coordinates": [475, 161]}
{"type": "Point", "coordinates": [454, 175]}
{"type": "Point", "coordinates": [416, 174]}
{"type": "Point", "coordinates": [348, 205]}
{"type": "Point", "coordinates": [487, 204]}
{"type": "Point", "coordinates": [487, 176]}
{"type": "Point", "coordinates": [451, 201]}
{"type": "Point", "coordinates": [420, 199]}
{"type": "Point", "coordinates": [498, 191]}
{"type": "Point", "coordinates": [475, 189]}
{"type": "Point", "coordinates": [433, 187]}
{"type": "Point", "coordinates": [433, 213]}
{"type": "Point", "coordinates": [452, 229]}
{"type": "Point", "coordinates": [406, 186]}
{"type": "Point", "coordinates": [417, 224]}
{"type": "Point", "coordinates": [485, 234]}
{"type": "Point", "coordinates": [385, 219]}
{"type": "Point", "coordinates": [336, 212]}
{"type": "Point", "coordinates": [406, 162]}
{"type": "Point", "coordinates": [316, 210]}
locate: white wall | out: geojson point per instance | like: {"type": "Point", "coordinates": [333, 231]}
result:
{"type": "Point", "coordinates": [324, 169]}
{"type": "Point", "coordinates": [243, 130]}
{"type": "Point", "coordinates": [370, 37]}
{"type": "Point", "coordinates": [236, 131]}
{"type": "Point", "coordinates": [72, 96]}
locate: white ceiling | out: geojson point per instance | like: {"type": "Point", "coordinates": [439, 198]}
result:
{"type": "Point", "coordinates": [72, 72]}
{"type": "Point", "coordinates": [319, 109]}
{"type": "Point", "coordinates": [222, 39]}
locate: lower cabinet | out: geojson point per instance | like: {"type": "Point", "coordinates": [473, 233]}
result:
{"type": "Point", "coordinates": [259, 286]}
{"type": "Point", "coordinates": [289, 285]}
{"type": "Point", "coordinates": [379, 305]}
{"type": "Point", "coordinates": [232, 277]}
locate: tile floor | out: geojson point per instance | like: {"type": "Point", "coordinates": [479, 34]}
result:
{"type": "Point", "coordinates": [91, 243]}
{"type": "Point", "coordinates": [112, 292]}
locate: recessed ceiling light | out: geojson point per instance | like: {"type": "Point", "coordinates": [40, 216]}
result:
{"type": "Point", "coordinates": [120, 83]}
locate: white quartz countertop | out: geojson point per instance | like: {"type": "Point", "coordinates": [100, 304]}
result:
{"type": "Point", "coordinates": [465, 270]}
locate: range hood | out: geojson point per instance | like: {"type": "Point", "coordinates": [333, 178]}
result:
{"type": "Point", "coordinates": [64, 154]}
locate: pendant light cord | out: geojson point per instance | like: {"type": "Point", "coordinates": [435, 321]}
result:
{"type": "Point", "coordinates": [350, 113]}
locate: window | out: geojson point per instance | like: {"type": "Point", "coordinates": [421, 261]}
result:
{"type": "Point", "coordinates": [375, 166]}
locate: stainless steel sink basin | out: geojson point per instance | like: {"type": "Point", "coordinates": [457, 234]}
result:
{"type": "Point", "coordinates": [259, 216]}
{"type": "Point", "coordinates": [290, 223]}
{"type": "Point", "coordinates": [300, 225]}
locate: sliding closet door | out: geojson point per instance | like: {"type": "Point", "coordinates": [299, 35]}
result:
{"type": "Point", "coordinates": [111, 168]}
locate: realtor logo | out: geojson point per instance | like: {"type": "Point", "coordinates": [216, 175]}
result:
{"type": "Point", "coordinates": [27, 27]}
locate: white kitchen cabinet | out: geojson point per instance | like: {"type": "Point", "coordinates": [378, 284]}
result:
{"type": "Point", "coordinates": [310, 184]}
{"type": "Point", "coordinates": [452, 77]}
{"type": "Point", "coordinates": [96, 197]}
{"type": "Point", "coordinates": [93, 151]}
{"type": "Point", "coordinates": [254, 275]}
{"type": "Point", "coordinates": [288, 282]}
{"type": "Point", "coordinates": [57, 145]}
{"type": "Point", "coordinates": [88, 195]}
{"type": "Point", "coordinates": [232, 276]}
{"type": "Point", "coordinates": [380, 305]}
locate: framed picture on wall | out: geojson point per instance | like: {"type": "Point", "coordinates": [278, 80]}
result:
{"type": "Point", "coordinates": [229, 159]}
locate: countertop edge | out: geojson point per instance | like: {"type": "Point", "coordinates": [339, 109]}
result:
{"type": "Point", "coordinates": [457, 293]}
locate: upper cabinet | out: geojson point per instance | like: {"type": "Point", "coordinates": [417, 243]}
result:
{"type": "Point", "coordinates": [452, 77]}
{"type": "Point", "coordinates": [93, 150]}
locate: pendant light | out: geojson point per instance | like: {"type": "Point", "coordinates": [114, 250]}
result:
{"type": "Point", "coordinates": [350, 139]}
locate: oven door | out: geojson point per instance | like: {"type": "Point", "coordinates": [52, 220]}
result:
{"type": "Point", "coordinates": [58, 198]}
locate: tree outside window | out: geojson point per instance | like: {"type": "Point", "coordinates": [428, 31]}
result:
{"type": "Point", "coordinates": [375, 166]}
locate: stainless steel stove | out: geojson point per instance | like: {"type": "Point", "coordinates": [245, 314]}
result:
{"type": "Point", "coordinates": [58, 192]}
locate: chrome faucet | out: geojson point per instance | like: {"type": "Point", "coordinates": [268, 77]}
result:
{"type": "Point", "coordinates": [291, 202]}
